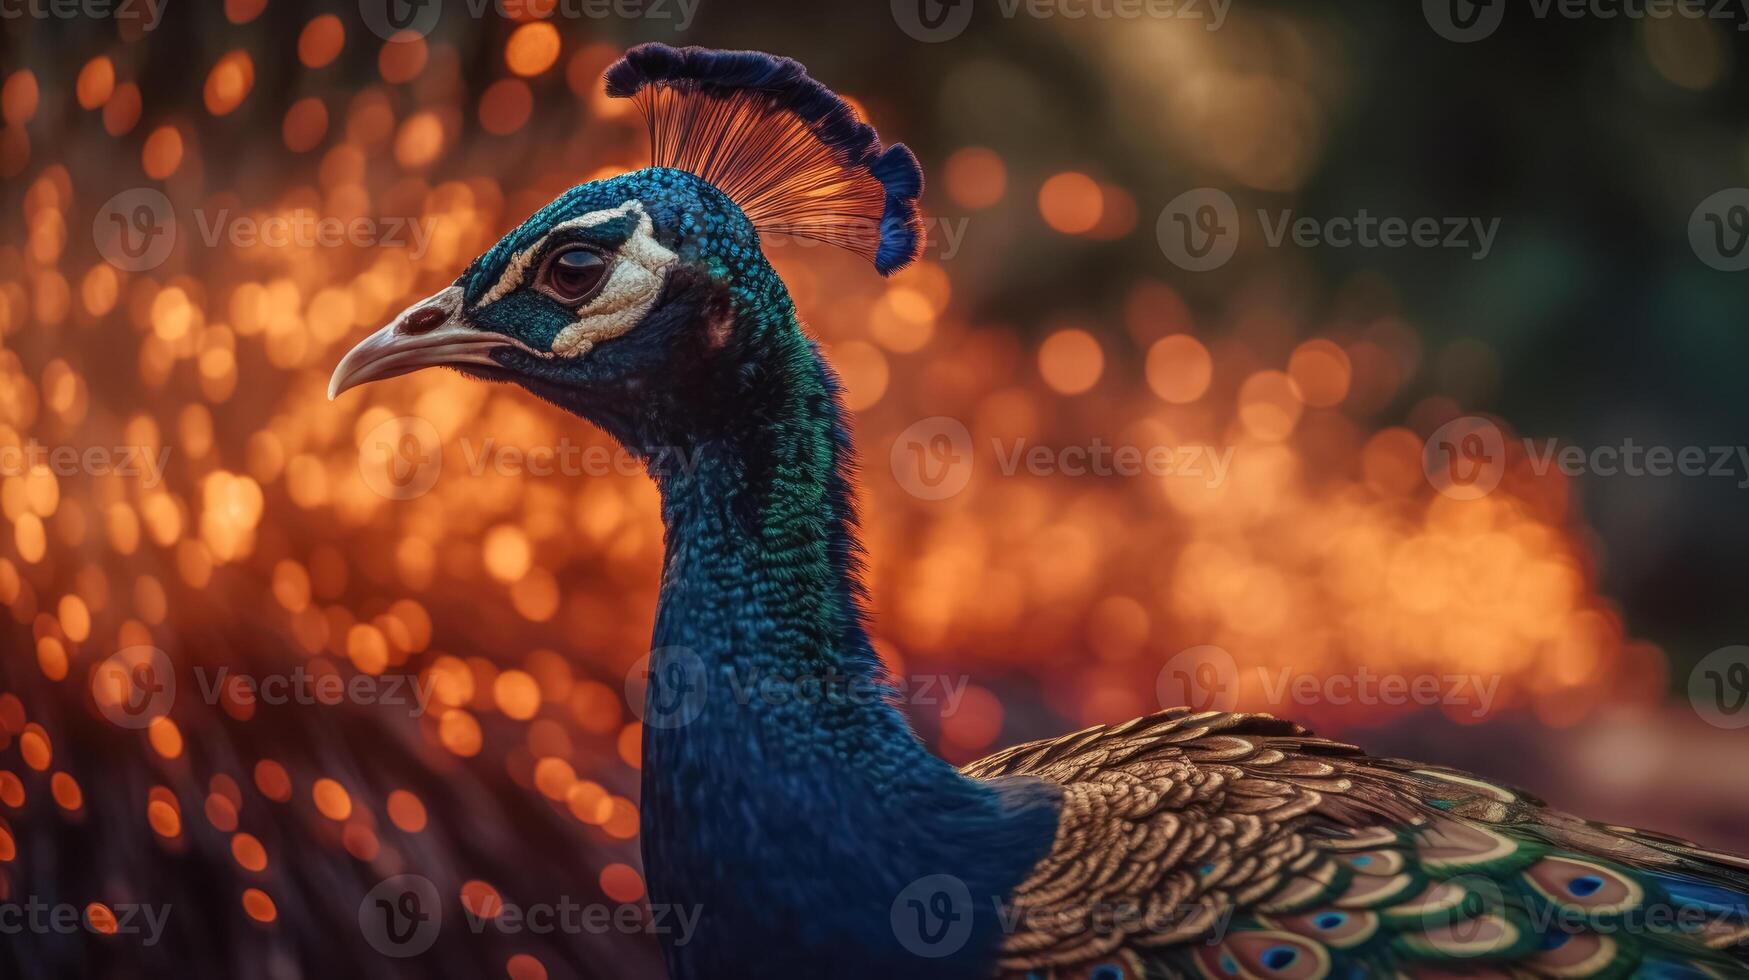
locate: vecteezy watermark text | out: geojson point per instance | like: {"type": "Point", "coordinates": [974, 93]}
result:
{"type": "Point", "coordinates": [1199, 230]}
{"type": "Point", "coordinates": [148, 12]}
{"type": "Point", "coordinates": [573, 918]}
{"type": "Point", "coordinates": [33, 915]}
{"type": "Point", "coordinates": [389, 19]}
{"type": "Point", "coordinates": [133, 462]}
{"type": "Point", "coordinates": [1206, 678]}
{"type": "Point", "coordinates": [933, 21]}
{"type": "Point", "coordinates": [1465, 21]}
{"type": "Point", "coordinates": [1466, 458]}
{"type": "Point", "coordinates": [933, 459]}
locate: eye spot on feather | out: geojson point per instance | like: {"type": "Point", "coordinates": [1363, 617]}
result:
{"type": "Point", "coordinates": [1280, 957]}
{"type": "Point", "coordinates": [1584, 886]}
{"type": "Point", "coordinates": [1330, 920]}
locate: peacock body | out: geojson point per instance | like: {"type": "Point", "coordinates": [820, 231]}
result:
{"type": "Point", "coordinates": [815, 835]}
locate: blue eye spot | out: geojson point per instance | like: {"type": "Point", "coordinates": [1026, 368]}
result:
{"type": "Point", "coordinates": [1555, 940]}
{"type": "Point", "coordinates": [1206, 869]}
{"type": "Point", "coordinates": [1329, 920]}
{"type": "Point", "coordinates": [1229, 966]}
{"type": "Point", "coordinates": [1106, 971]}
{"type": "Point", "coordinates": [1280, 957]}
{"type": "Point", "coordinates": [1584, 886]}
{"type": "Point", "coordinates": [1362, 861]}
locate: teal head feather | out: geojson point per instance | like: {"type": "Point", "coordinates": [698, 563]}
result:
{"type": "Point", "coordinates": [644, 303]}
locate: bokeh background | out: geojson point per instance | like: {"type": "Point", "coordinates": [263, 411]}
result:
{"type": "Point", "coordinates": [1045, 311]}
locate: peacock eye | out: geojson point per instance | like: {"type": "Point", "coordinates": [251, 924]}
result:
{"type": "Point", "coordinates": [574, 275]}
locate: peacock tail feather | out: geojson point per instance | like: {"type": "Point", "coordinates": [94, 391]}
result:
{"type": "Point", "coordinates": [1253, 851]}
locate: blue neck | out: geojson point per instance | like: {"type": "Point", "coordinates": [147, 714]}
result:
{"type": "Point", "coordinates": [785, 799]}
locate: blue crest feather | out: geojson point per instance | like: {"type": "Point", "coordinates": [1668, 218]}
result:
{"type": "Point", "coordinates": [787, 150]}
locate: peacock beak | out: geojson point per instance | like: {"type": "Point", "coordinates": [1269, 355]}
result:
{"type": "Point", "coordinates": [431, 332]}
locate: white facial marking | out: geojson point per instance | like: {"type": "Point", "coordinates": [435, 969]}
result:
{"type": "Point", "coordinates": [632, 286]}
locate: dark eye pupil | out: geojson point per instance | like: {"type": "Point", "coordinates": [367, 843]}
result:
{"type": "Point", "coordinates": [576, 272]}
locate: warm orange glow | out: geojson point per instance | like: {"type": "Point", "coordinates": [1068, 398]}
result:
{"type": "Point", "coordinates": [162, 153]}
{"type": "Point", "coordinates": [321, 41]}
{"type": "Point", "coordinates": [976, 177]}
{"type": "Point", "coordinates": [622, 883]}
{"type": "Point", "coordinates": [517, 694]}
{"type": "Point", "coordinates": [506, 105]}
{"type": "Point", "coordinates": [66, 792]}
{"type": "Point", "coordinates": [259, 905]}
{"type": "Point", "coordinates": [272, 781]}
{"type": "Point", "coordinates": [1070, 203]}
{"type": "Point", "coordinates": [96, 82]}
{"type": "Point", "coordinates": [406, 811]}
{"type": "Point", "coordinates": [122, 110]}
{"type": "Point", "coordinates": [331, 799]}
{"type": "Point", "coordinates": [532, 48]}
{"type": "Point", "coordinates": [100, 918]}
{"type": "Point", "coordinates": [229, 82]}
{"type": "Point", "coordinates": [165, 737]}
{"type": "Point", "coordinates": [1071, 361]}
{"type": "Point", "coordinates": [402, 58]}
{"type": "Point", "coordinates": [481, 900]}
{"type": "Point", "coordinates": [18, 97]}
{"type": "Point", "coordinates": [1322, 371]}
{"type": "Point", "coordinates": [248, 852]}
{"type": "Point", "coordinates": [306, 122]}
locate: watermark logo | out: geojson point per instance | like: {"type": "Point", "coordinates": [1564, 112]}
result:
{"type": "Point", "coordinates": [1202, 678]}
{"type": "Point", "coordinates": [1718, 231]}
{"type": "Point", "coordinates": [135, 686]}
{"type": "Point", "coordinates": [668, 687]}
{"type": "Point", "coordinates": [932, 916]}
{"type": "Point", "coordinates": [932, 21]}
{"type": "Point", "coordinates": [932, 458]}
{"type": "Point", "coordinates": [1718, 687]}
{"type": "Point", "coordinates": [1199, 229]}
{"type": "Point", "coordinates": [135, 230]}
{"type": "Point", "coordinates": [387, 18]}
{"type": "Point", "coordinates": [401, 458]}
{"type": "Point", "coordinates": [1464, 21]}
{"type": "Point", "coordinates": [1465, 458]}
{"type": "Point", "coordinates": [401, 916]}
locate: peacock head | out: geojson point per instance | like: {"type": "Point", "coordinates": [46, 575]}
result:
{"type": "Point", "coordinates": [624, 297]}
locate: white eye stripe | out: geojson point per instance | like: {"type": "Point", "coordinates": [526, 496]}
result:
{"type": "Point", "coordinates": [514, 273]}
{"type": "Point", "coordinates": [639, 270]}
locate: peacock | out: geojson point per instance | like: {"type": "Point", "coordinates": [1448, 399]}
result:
{"type": "Point", "coordinates": [817, 836]}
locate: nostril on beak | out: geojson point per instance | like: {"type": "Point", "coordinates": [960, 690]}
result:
{"type": "Point", "coordinates": [423, 319]}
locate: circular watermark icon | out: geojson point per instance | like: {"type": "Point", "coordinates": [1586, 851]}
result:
{"type": "Point", "coordinates": [135, 686]}
{"type": "Point", "coordinates": [932, 458]}
{"type": "Point", "coordinates": [1202, 678]}
{"type": "Point", "coordinates": [932, 21]}
{"type": "Point", "coordinates": [1718, 687]}
{"type": "Point", "coordinates": [1464, 21]}
{"type": "Point", "coordinates": [135, 230]}
{"type": "Point", "coordinates": [1465, 908]}
{"type": "Point", "coordinates": [401, 916]}
{"type": "Point", "coordinates": [1199, 229]}
{"type": "Point", "coordinates": [932, 916]}
{"type": "Point", "coordinates": [1718, 231]}
{"type": "Point", "coordinates": [1465, 458]}
{"type": "Point", "coordinates": [401, 458]}
{"type": "Point", "coordinates": [388, 18]}
{"type": "Point", "coordinates": [667, 687]}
